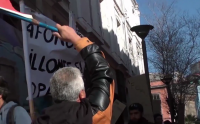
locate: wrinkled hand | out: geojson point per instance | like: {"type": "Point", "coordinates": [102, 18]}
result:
{"type": "Point", "coordinates": [66, 33]}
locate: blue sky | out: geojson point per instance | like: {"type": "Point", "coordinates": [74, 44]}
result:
{"type": "Point", "coordinates": [189, 6]}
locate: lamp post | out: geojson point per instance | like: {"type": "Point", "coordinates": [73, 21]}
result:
{"type": "Point", "coordinates": [166, 80]}
{"type": "Point", "coordinates": [142, 31]}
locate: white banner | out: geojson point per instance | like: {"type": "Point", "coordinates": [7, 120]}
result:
{"type": "Point", "coordinates": [47, 54]}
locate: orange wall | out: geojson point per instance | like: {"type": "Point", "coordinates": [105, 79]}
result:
{"type": "Point", "coordinates": [163, 94]}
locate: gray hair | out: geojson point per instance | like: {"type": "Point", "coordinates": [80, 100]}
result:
{"type": "Point", "coordinates": [66, 84]}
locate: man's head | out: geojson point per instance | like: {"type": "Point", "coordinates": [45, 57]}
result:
{"type": "Point", "coordinates": [3, 91]}
{"type": "Point", "coordinates": [158, 119]}
{"type": "Point", "coordinates": [67, 84]}
{"type": "Point", "coordinates": [135, 111]}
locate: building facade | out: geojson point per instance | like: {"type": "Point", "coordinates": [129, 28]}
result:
{"type": "Point", "coordinates": [159, 96]}
{"type": "Point", "coordinates": [105, 22]}
{"type": "Point", "coordinates": [195, 69]}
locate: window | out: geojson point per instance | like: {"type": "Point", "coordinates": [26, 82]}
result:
{"type": "Point", "coordinates": [139, 49]}
{"type": "Point", "coordinates": [130, 40]}
{"type": "Point", "coordinates": [133, 10]}
{"type": "Point", "coordinates": [156, 96]}
{"type": "Point", "coordinates": [118, 29]}
{"type": "Point", "coordinates": [131, 49]}
{"type": "Point", "coordinates": [118, 23]}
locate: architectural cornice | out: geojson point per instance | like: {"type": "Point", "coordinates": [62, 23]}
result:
{"type": "Point", "coordinates": [117, 8]}
{"type": "Point", "coordinates": [134, 2]}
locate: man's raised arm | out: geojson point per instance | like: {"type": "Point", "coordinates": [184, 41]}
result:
{"type": "Point", "coordinates": [101, 87]}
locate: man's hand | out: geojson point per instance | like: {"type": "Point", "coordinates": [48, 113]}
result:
{"type": "Point", "coordinates": [67, 34]}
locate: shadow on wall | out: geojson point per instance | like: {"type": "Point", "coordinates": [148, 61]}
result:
{"type": "Point", "coordinates": [117, 43]}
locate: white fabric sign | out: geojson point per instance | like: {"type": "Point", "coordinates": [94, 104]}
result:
{"type": "Point", "coordinates": [47, 54]}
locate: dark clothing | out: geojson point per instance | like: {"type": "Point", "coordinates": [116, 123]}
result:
{"type": "Point", "coordinates": [98, 86]}
{"type": "Point", "coordinates": [141, 121]}
{"type": "Point", "coordinates": [67, 112]}
{"type": "Point", "coordinates": [99, 83]}
{"type": "Point", "coordinates": [98, 77]}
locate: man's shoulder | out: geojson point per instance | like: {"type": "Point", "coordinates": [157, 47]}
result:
{"type": "Point", "coordinates": [19, 110]}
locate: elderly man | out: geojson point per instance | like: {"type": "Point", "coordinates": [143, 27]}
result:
{"type": "Point", "coordinates": [67, 87]}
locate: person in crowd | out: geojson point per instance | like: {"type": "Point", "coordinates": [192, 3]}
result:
{"type": "Point", "coordinates": [10, 112]}
{"type": "Point", "coordinates": [167, 122]}
{"type": "Point", "coordinates": [68, 89]}
{"type": "Point", "coordinates": [136, 114]}
{"type": "Point", "coordinates": [158, 118]}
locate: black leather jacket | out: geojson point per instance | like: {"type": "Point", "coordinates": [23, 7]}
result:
{"type": "Point", "coordinates": [97, 76]}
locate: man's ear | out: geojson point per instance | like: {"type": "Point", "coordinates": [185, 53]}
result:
{"type": "Point", "coordinates": [82, 94]}
{"type": "Point", "coordinates": [0, 96]}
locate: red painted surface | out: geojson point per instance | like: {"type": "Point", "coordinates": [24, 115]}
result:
{"type": "Point", "coordinates": [7, 5]}
{"type": "Point", "coordinates": [163, 95]}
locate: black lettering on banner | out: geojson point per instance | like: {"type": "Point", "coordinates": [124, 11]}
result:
{"type": "Point", "coordinates": [64, 63]}
{"type": "Point", "coordinates": [33, 62]}
{"type": "Point", "coordinates": [80, 66]}
{"type": "Point", "coordinates": [56, 41]}
{"type": "Point", "coordinates": [48, 91]}
{"type": "Point", "coordinates": [48, 66]}
{"type": "Point", "coordinates": [69, 45]}
{"type": "Point", "coordinates": [30, 57]}
{"type": "Point", "coordinates": [60, 63]}
{"type": "Point", "coordinates": [51, 65]}
{"type": "Point", "coordinates": [30, 29]}
{"type": "Point", "coordinates": [41, 63]}
{"type": "Point", "coordinates": [37, 32]}
{"type": "Point", "coordinates": [77, 65]}
{"type": "Point", "coordinates": [69, 63]}
{"type": "Point", "coordinates": [34, 88]}
{"type": "Point", "coordinates": [45, 36]}
{"type": "Point", "coordinates": [62, 43]}
{"type": "Point", "coordinates": [41, 87]}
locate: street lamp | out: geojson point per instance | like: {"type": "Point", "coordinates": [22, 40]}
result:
{"type": "Point", "coordinates": [166, 80]}
{"type": "Point", "coordinates": [142, 31]}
